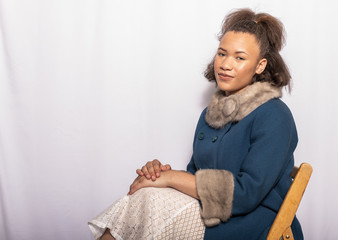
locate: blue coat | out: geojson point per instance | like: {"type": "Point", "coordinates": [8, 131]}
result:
{"type": "Point", "coordinates": [258, 151]}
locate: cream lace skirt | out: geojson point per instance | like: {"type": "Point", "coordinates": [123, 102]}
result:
{"type": "Point", "coordinates": [151, 213]}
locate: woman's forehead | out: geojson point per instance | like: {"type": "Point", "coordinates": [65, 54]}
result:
{"type": "Point", "coordinates": [239, 42]}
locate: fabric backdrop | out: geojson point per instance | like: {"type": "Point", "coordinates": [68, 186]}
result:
{"type": "Point", "coordinates": [92, 89]}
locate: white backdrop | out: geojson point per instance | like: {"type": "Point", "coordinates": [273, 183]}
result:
{"type": "Point", "coordinates": [92, 89]}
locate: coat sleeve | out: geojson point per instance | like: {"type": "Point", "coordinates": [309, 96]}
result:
{"type": "Point", "coordinates": [273, 139]}
{"type": "Point", "coordinates": [216, 204]}
{"type": "Point", "coordinates": [191, 166]}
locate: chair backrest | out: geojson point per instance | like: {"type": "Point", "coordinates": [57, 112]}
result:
{"type": "Point", "coordinates": [281, 227]}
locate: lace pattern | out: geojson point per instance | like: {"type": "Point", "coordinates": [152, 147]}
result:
{"type": "Point", "coordinates": [151, 213]}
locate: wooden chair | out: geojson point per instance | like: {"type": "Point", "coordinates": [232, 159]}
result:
{"type": "Point", "coordinates": [281, 227]}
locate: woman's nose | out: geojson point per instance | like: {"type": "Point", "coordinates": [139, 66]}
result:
{"type": "Point", "coordinates": [227, 64]}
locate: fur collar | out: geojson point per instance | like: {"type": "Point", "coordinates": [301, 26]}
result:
{"type": "Point", "coordinates": [234, 108]}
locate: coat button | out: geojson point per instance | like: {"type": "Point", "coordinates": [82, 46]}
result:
{"type": "Point", "coordinates": [214, 139]}
{"type": "Point", "coordinates": [201, 136]}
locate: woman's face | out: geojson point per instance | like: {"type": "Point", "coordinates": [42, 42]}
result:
{"type": "Point", "coordinates": [237, 61]}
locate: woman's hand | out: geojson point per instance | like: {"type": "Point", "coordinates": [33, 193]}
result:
{"type": "Point", "coordinates": [142, 181]}
{"type": "Point", "coordinates": [152, 170]}
{"type": "Point", "coordinates": [180, 180]}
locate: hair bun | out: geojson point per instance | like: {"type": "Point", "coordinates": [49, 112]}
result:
{"type": "Point", "coordinates": [274, 30]}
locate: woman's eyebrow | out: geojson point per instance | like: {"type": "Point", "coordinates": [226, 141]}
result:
{"type": "Point", "coordinates": [241, 52]}
{"type": "Point", "coordinates": [237, 52]}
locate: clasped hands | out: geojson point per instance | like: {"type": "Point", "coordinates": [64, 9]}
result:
{"type": "Point", "coordinates": [153, 174]}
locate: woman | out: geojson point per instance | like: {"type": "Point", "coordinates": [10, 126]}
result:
{"type": "Point", "coordinates": [242, 153]}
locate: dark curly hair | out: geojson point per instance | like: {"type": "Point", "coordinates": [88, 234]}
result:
{"type": "Point", "coordinates": [269, 33]}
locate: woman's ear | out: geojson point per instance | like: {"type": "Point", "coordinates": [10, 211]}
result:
{"type": "Point", "coordinates": [261, 65]}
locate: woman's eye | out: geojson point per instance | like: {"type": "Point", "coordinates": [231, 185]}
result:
{"type": "Point", "coordinates": [240, 58]}
{"type": "Point", "coordinates": [221, 54]}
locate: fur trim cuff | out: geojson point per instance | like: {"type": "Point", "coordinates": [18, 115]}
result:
{"type": "Point", "coordinates": [223, 109]}
{"type": "Point", "coordinates": [216, 191]}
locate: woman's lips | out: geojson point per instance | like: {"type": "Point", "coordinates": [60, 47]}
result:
{"type": "Point", "coordinates": [225, 77]}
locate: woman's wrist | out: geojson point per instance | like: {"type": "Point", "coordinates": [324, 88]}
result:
{"type": "Point", "coordinates": [169, 177]}
{"type": "Point", "coordinates": [182, 181]}
{"type": "Point", "coordinates": [173, 177]}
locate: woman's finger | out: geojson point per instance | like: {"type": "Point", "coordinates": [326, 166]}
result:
{"type": "Point", "coordinates": [165, 167]}
{"type": "Point", "coordinates": [151, 170]}
{"type": "Point", "coordinates": [145, 172]}
{"type": "Point", "coordinates": [157, 167]}
{"type": "Point", "coordinates": [139, 172]}
{"type": "Point", "coordinates": [133, 185]}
